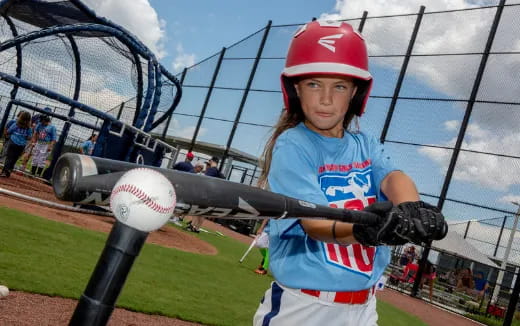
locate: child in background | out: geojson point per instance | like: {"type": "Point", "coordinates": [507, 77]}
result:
{"type": "Point", "coordinates": [43, 141]}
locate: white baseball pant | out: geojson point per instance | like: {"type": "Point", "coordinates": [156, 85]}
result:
{"type": "Point", "coordinates": [40, 154]}
{"type": "Point", "coordinates": [283, 306]}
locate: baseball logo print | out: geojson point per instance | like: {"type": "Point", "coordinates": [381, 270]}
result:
{"type": "Point", "coordinates": [349, 187]}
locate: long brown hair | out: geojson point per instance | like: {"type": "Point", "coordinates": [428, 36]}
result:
{"type": "Point", "coordinates": [289, 119]}
{"type": "Point", "coordinates": [24, 120]}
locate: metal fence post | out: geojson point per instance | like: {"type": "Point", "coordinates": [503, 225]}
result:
{"type": "Point", "coordinates": [471, 103]}
{"type": "Point", "coordinates": [206, 100]}
{"type": "Point", "coordinates": [402, 74]}
{"type": "Point", "coordinates": [60, 144]}
{"type": "Point", "coordinates": [121, 107]}
{"type": "Point", "coordinates": [246, 92]}
{"type": "Point", "coordinates": [18, 72]}
{"type": "Point", "coordinates": [163, 136]}
{"type": "Point", "coordinates": [467, 229]}
{"type": "Point", "coordinates": [362, 21]}
{"type": "Point", "coordinates": [500, 236]}
{"type": "Point", "coordinates": [253, 175]}
{"type": "Point", "coordinates": [511, 308]}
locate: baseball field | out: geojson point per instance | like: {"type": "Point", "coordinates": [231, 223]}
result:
{"type": "Point", "coordinates": [55, 259]}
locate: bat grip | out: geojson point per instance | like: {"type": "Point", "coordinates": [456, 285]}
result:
{"type": "Point", "coordinates": [361, 217]}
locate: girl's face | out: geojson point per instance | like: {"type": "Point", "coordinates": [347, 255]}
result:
{"type": "Point", "coordinates": [325, 101]}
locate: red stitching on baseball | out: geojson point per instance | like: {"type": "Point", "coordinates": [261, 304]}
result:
{"type": "Point", "coordinates": [147, 200]}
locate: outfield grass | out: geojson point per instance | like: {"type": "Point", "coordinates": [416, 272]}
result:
{"type": "Point", "coordinates": [42, 256]}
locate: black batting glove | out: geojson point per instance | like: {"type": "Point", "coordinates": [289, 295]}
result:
{"type": "Point", "coordinates": [419, 222]}
{"type": "Point", "coordinates": [381, 233]}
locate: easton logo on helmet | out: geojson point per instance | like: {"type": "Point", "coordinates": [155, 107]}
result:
{"type": "Point", "coordinates": [329, 41]}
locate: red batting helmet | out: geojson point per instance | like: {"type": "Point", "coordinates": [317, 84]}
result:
{"type": "Point", "coordinates": [327, 48]}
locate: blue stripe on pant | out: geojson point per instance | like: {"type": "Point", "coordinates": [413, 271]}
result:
{"type": "Point", "coordinates": [276, 299]}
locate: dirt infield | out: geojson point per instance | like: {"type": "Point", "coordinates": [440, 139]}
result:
{"type": "Point", "coordinates": [24, 309]}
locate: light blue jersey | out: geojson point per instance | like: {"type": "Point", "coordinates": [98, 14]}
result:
{"type": "Point", "coordinates": [87, 147]}
{"type": "Point", "coordinates": [19, 136]}
{"type": "Point", "coordinates": [44, 133]}
{"type": "Point", "coordinates": [344, 173]}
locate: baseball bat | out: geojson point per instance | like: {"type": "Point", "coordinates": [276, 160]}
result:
{"type": "Point", "coordinates": [90, 180]}
{"type": "Point", "coordinates": [248, 250]}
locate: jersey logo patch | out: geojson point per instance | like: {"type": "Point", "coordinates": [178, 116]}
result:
{"type": "Point", "coordinates": [351, 190]}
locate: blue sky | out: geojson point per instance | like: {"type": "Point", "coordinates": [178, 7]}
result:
{"type": "Point", "coordinates": [202, 28]}
{"type": "Point", "coordinates": [182, 33]}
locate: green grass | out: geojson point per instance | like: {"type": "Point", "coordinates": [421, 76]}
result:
{"type": "Point", "coordinates": [42, 256]}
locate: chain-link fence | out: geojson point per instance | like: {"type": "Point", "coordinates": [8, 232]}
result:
{"type": "Point", "coordinates": [445, 103]}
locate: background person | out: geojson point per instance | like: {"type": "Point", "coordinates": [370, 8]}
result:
{"type": "Point", "coordinates": [465, 282]}
{"type": "Point", "coordinates": [88, 145]}
{"type": "Point", "coordinates": [263, 246]}
{"type": "Point", "coordinates": [481, 285]}
{"type": "Point", "coordinates": [199, 168]}
{"type": "Point", "coordinates": [312, 155]}
{"type": "Point", "coordinates": [28, 152]}
{"type": "Point", "coordinates": [6, 137]}
{"type": "Point", "coordinates": [44, 139]}
{"type": "Point", "coordinates": [408, 256]}
{"type": "Point", "coordinates": [19, 135]}
{"type": "Point", "coordinates": [212, 169]}
{"type": "Point", "coordinates": [185, 166]}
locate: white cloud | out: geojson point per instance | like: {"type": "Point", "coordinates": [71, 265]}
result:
{"type": "Point", "coordinates": [137, 16]}
{"type": "Point", "coordinates": [510, 198]}
{"type": "Point", "coordinates": [490, 171]}
{"type": "Point", "coordinates": [451, 125]}
{"type": "Point", "coordinates": [442, 33]}
{"type": "Point", "coordinates": [492, 129]}
{"type": "Point", "coordinates": [177, 130]}
{"type": "Point", "coordinates": [182, 59]}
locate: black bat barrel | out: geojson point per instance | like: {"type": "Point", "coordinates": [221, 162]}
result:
{"type": "Point", "coordinates": [72, 168]}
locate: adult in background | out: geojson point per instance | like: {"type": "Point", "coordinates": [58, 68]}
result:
{"type": "Point", "coordinates": [408, 256]}
{"type": "Point", "coordinates": [185, 166]}
{"type": "Point", "coordinates": [199, 168]}
{"type": "Point", "coordinates": [211, 171]}
{"type": "Point", "coordinates": [88, 145]}
{"type": "Point", "coordinates": [44, 138]}
{"type": "Point", "coordinates": [465, 281]}
{"type": "Point", "coordinates": [19, 134]}
{"type": "Point", "coordinates": [481, 285]}
{"type": "Point", "coordinates": [6, 141]}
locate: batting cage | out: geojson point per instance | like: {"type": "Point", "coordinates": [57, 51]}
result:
{"type": "Point", "coordinates": [90, 76]}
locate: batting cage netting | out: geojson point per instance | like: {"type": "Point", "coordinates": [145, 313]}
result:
{"type": "Point", "coordinates": [91, 76]}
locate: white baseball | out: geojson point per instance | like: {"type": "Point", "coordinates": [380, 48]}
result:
{"type": "Point", "coordinates": [4, 291]}
{"type": "Point", "coordinates": [143, 199]}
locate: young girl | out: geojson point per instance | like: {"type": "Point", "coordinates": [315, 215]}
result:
{"type": "Point", "coordinates": [325, 271]}
{"type": "Point", "coordinates": [19, 133]}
